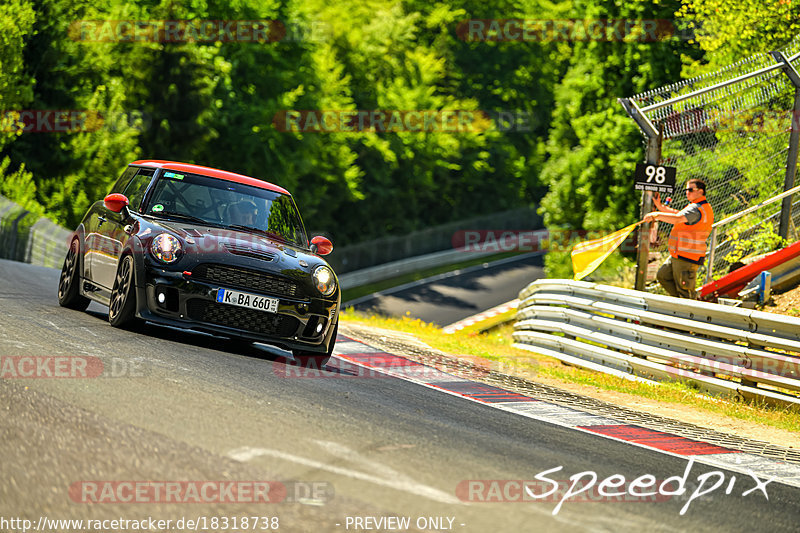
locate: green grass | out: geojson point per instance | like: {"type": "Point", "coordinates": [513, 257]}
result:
{"type": "Point", "coordinates": [495, 346]}
{"type": "Point", "coordinates": [363, 290]}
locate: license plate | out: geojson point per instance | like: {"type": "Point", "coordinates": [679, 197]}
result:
{"type": "Point", "coordinates": [245, 299]}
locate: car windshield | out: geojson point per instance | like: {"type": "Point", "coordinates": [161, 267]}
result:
{"type": "Point", "coordinates": [218, 202]}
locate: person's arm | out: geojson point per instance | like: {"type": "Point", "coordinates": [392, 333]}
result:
{"type": "Point", "coordinates": [669, 218]}
{"type": "Point", "coordinates": [661, 207]}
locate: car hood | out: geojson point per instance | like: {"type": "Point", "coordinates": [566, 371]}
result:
{"type": "Point", "coordinates": [227, 244]}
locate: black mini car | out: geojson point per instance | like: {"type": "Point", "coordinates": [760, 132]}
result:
{"type": "Point", "coordinates": [207, 250]}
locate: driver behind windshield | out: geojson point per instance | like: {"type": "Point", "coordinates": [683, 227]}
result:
{"type": "Point", "coordinates": [243, 213]}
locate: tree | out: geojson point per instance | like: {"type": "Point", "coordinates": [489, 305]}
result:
{"type": "Point", "coordinates": [593, 145]}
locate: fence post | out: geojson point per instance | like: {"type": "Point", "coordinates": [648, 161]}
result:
{"type": "Point", "coordinates": [794, 144]}
{"type": "Point", "coordinates": [652, 156]}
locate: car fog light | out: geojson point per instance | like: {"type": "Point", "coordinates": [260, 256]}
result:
{"type": "Point", "coordinates": [319, 328]}
{"type": "Point", "coordinates": [162, 297]}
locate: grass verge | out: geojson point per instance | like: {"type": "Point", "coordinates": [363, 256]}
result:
{"type": "Point", "coordinates": [496, 345]}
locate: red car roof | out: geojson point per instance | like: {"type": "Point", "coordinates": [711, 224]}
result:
{"type": "Point", "coordinates": [212, 172]}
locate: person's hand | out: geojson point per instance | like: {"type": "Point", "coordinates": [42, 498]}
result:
{"type": "Point", "coordinates": [651, 216]}
{"type": "Point", "coordinates": [656, 196]}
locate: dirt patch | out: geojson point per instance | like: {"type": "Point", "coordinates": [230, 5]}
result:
{"type": "Point", "coordinates": [786, 303]}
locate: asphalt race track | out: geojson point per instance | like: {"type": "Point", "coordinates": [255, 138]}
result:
{"type": "Point", "coordinates": [339, 451]}
{"type": "Point", "coordinates": [451, 297]}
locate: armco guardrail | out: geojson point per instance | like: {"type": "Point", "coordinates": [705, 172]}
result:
{"type": "Point", "coordinates": [28, 238]}
{"type": "Point", "coordinates": [365, 276]}
{"type": "Point", "coordinates": [723, 350]}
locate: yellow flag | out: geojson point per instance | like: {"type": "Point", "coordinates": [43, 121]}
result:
{"type": "Point", "coordinates": [587, 256]}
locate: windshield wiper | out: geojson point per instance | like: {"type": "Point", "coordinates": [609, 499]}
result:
{"type": "Point", "coordinates": [184, 217]}
{"type": "Point", "coordinates": [269, 234]}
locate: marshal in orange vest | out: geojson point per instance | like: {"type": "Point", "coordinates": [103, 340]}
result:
{"type": "Point", "coordinates": [687, 241]}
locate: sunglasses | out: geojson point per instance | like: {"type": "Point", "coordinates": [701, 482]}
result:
{"type": "Point", "coordinates": [687, 190]}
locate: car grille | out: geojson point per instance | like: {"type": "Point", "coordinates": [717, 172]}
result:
{"type": "Point", "coordinates": [245, 279]}
{"type": "Point", "coordinates": [248, 251]}
{"type": "Point", "coordinates": [241, 318]}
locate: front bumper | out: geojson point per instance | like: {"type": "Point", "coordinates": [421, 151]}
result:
{"type": "Point", "coordinates": [305, 324]}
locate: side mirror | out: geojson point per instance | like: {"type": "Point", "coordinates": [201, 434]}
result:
{"type": "Point", "coordinates": [321, 246]}
{"type": "Point", "coordinates": [116, 202]}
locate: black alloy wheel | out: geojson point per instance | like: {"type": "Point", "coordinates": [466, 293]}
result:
{"type": "Point", "coordinates": [69, 295]}
{"type": "Point", "coordinates": [122, 307]}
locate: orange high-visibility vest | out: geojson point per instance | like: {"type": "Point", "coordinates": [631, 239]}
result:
{"type": "Point", "coordinates": [689, 241]}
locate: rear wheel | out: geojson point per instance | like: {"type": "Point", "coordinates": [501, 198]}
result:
{"type": "Point", "coordinates": [316, 360]}
{"type": "Point", "coordinates": [69, 283]}
{"type": "Point", "coordinates": [122, 307]}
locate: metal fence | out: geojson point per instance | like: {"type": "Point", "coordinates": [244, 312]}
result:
{"type": "Point", "coordinates": [28, 238]}
{"type": "Point", "coordinates": [430, 240]}
{"type": "Point", "coordinates": [722, 350]}
{"type": "Point", "coordinates": [737, 129]}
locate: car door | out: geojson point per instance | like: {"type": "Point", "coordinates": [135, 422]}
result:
{"type": "Point", "coordinates": [111, 234]}
{"type": "Point", "coordinates": [94, 219]}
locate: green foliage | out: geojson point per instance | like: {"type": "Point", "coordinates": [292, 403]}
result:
{"type": "Point", "coordinates": [217, 103]}
{"type": "Point", "coordinates": [593, 146]}
{"type": "Point", "coordinates": [730, 30]}
{"type": "Point", "coordinates": [18, 186]}
{"type": "Point", "coordinates": [753, 241]}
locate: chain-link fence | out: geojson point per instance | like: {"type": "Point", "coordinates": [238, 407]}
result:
{"type": "Point", "coordinates": [737, 130]}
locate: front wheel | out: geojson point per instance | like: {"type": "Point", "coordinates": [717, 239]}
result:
{"type": "Point", "coordinates": [122, 307]}
{"type": "Point", "coordinates": [69, 295]}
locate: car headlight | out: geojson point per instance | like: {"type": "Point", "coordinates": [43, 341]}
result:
{"type": "Point", "coordinates": [324, 280]}
{"type": "Point", "coordinates": [166, 248]}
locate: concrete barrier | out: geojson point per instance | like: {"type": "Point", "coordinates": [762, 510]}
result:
{"type": "Point", "coordinates": [386, 271]}
{"type": "Point", "coordinates": [31, 239]}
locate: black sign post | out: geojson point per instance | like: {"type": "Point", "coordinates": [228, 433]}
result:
{"type": "Point", "coordinates": [655, 178]}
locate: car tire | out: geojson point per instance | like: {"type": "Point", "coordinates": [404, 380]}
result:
{"type": "Point", "coordinates": [69, 294]}
{"type": "Point", "coordinates": [316, 360]}
{"type": "Point", "coordinates": [122, 305]}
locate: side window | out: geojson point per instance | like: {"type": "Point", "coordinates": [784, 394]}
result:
{"type": "Point", "coordinates": [123, 180]}
{"type": "Point", "coordinates": [138, 186]}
